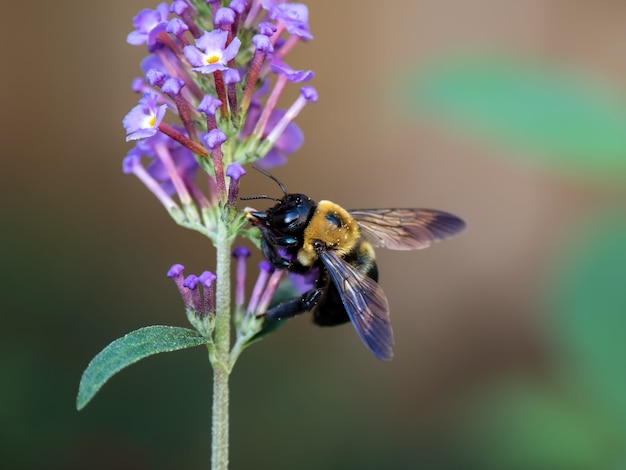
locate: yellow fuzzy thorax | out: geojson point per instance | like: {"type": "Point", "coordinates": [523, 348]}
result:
{"type": "Point", "coordinates": [334, 227]}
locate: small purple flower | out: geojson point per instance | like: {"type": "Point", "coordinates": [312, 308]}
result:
{"type": "Point", "coordinates": [209, 105]}
{"type": "Point", "coordinates": [238, 6]}
{"type": "Point", "coordinates": [234, 171]}
{"type": "Point", "coordinates": [148, 23]}
{"type": "Point", "coordinates": [210, 53]}
{"type": "Point", "coordinates": [262, 43]}
{"type": "Point", "coordinates": [295, 17]}
{"type": "Point", "coordinates": [280, 68]}
{"type": "Point", "coordinates": [266, 28]}
{"type": "Point", "coordinates": [214, 139]}
{"type": "Point", "coordinates": [143, 120]}
{"type": "Point", "coordinates": [224, 17]}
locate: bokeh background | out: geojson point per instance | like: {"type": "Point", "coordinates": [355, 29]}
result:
{"type": "Point", "coordinates": [510, 339]}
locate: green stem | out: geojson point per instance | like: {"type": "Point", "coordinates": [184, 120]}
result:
{"type": "Point", "coordinates": [221, 366]}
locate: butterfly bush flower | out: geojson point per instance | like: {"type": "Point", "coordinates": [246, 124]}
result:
{"type": "Point", "coordinates": [202, 108]}
{"type": "Point", "coordinates": [207, 105]}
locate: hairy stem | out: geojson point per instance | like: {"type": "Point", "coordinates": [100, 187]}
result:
{"type": "Point", "coordinates": [221, 366]}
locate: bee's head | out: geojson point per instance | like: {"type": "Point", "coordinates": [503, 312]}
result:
{"type": "Point", "coordinates": [289, 215]}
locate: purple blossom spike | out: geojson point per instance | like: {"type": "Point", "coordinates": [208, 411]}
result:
{"type": "Point", "coordinates": [143, 120]}
{"type": "Point", "coordinates": [148, 23]}
{"type": "Point", "coordinates": [210, 53]}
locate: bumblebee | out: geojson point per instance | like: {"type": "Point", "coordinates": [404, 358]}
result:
{"type": "Point", "coordinates": [336, 247]}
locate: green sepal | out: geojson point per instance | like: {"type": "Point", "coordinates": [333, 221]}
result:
{"type": "Point", "coordinates": [129, 349]}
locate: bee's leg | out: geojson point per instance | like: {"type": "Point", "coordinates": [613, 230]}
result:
{"type": "Point", "coordinates": [296, 306]}
{"type": "Point", "coordinates": [278, 260]}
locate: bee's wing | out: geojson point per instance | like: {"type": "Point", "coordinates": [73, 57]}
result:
{"type": "Point", "coordinates": [365, 303]}
{"type": "Point", "coordinates": [406, 229]}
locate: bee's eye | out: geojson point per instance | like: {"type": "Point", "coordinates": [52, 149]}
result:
{"type": "Point", "coordinates": [290, 217]}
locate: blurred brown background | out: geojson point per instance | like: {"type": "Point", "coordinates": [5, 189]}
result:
{"type": "Point", "coordinates": [85, 248]}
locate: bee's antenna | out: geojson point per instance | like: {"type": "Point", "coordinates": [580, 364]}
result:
{"type": "Point", "coordinates": [248, 198]}
{"type": "Point", "coordinates": [269, 175]}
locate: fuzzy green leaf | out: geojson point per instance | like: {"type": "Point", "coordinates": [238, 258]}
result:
{"type": "Point", "coordinates": [129, 349]}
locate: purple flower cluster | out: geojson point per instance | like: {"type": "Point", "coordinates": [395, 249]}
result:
{"type": "Point", "coordinates": [209, 68]}
{"type": "Point", "coordinates": [198, 293]}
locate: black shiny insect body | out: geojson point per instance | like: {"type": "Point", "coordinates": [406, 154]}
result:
{"type": "Point", "coordinates": [302, 236]}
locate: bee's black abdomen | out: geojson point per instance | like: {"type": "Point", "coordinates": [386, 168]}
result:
{"type": "Point", "coordinates": [331, 311]}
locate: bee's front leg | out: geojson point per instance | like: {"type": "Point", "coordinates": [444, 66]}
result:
{"type": "Point", "coordinates": [292, 307]}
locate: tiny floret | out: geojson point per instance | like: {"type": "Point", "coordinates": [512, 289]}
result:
{"type": "Point", "coordinates": [156, 77]}
{"type": "Point", "coordinates": [266, 28]}
{"type": "Point", "coordinates": [147, 23]}
{"type": "Point", "coordinates": [214, 138]}
{"type": "Point", "coordinates": [207, 278]}
{"type": "Point", "coordinates": [241, 252]}
{"type": "Point", "coordinates": [309, 93]}
{"type": "Point", "coordinates": [235, 171]}
{"type": "Point", "coordinates": [210, 53]}
{"type": "Point", "coordinates": [262, 43]}
{"type": "Point", "coordinates": [292, 75]}
{"type": "Point", "coordinates": [175, 270]}
{"type": "Point", "coordinates": [143, 120]}
{"type": "Point", "coordinates": [179, 7]}
{"type": "Point", "coordinates": [224, 16]}
{"type": "Point", "coordinates": [191, 282]}
{"type": "Point", "coordinates": [231, 76]}
{"type": "Point", "coordinates": [209, 105]}
{"type": "Point", "coordinates": [172, 86]}
{"type": "Point", "coordinates": [176, 26]}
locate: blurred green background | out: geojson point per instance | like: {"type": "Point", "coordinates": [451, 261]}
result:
{"type": "Point", "coordinates": [510, 339]}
